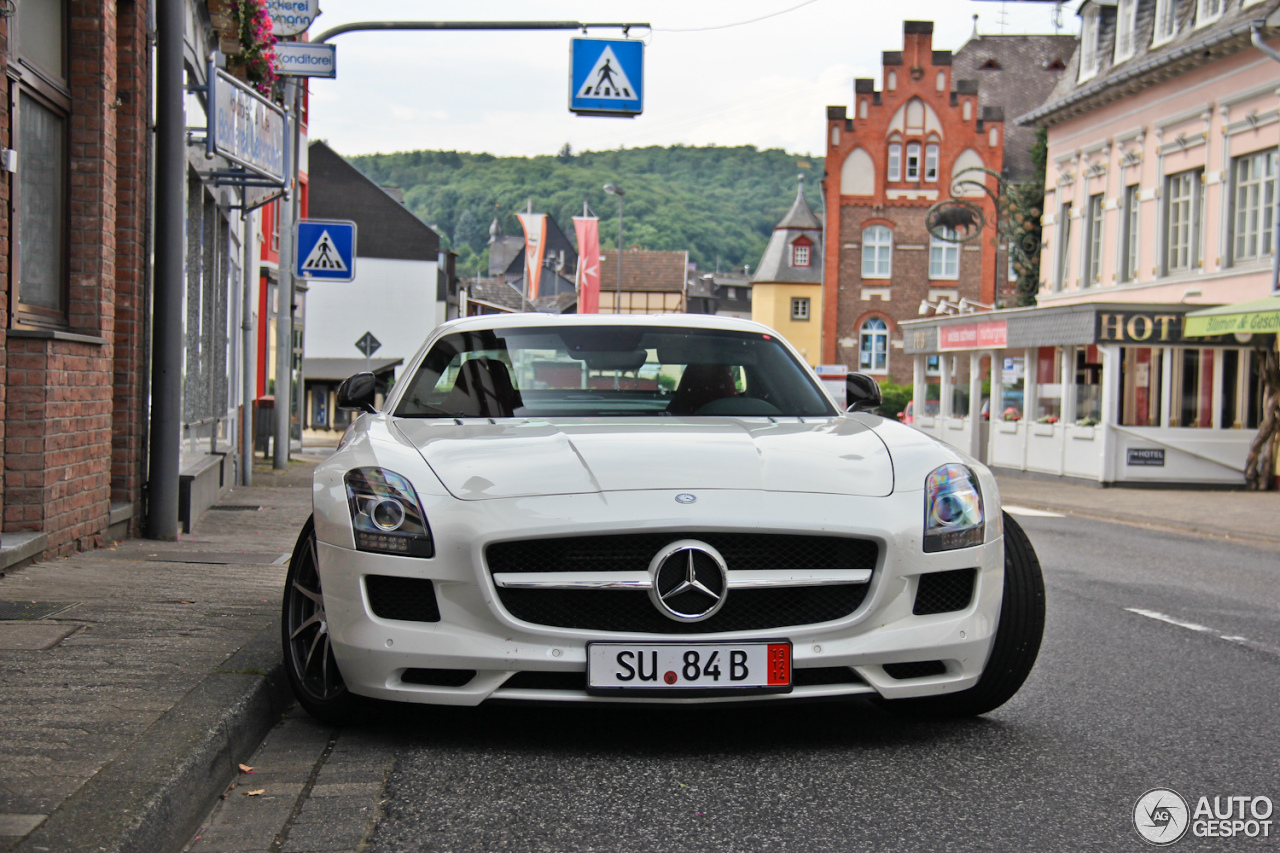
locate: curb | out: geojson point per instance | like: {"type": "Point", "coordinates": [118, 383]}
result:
{"type": "Point", "coordinates": [152, 799]}
{"type": "Point", "coordinates": [1152, 523]}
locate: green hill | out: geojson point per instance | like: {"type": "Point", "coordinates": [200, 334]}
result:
{"type": "Point", "coordinates": [718, 203]}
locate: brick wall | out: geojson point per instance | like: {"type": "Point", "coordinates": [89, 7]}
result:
{"type": "Point", "coordinates": [61, 383]}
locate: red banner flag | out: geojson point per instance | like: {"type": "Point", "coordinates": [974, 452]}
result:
{"type": "Point", "coordinates": [535, 246]}
{"type": "Point", "coordinates": [587, 229]}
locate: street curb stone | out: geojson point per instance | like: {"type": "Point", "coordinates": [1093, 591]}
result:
{"type": "Point", "coordinates": [153, 798]}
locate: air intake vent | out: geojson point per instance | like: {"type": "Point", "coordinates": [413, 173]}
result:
{"type": "Point", "coordinates": [915, 669]}
{"type": "Point", "coordinates": [944, 592]}
{"type": "Point", "coordinates": [405, 599]}
{"type": "Point", "coordinates": [438, 677]}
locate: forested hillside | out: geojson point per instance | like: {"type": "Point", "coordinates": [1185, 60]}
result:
{"type": "Point", "coordinates": [719, 203]}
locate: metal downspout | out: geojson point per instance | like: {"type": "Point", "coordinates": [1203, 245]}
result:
{"type": "Point", "coordinates": [164, 451]}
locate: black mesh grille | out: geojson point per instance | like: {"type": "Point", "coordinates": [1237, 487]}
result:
{"type": "Point", "coordinates": [915, 669]}
{"type": "Point", "coordinates": [824, 675]}
{"type": "Point", "coordinates": [578, 680]}
{"type": "Point", "coordinates": [632, 611]}
{"type": "Point", "coordinates": [438, 677]}
{"type": "Point", "coordinates": [406, 599]}
{"type": "Point", "coordinates": [944, 592]}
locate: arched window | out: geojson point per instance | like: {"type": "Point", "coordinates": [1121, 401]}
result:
{"type": "Point", "coordinates": [877, 251]}
{"type": "Point", "coordinates": [913, 161]}
{"type": "Point", "coordinates": [895, 162]}
{"type": "Point", "coordinates": [873, 346]}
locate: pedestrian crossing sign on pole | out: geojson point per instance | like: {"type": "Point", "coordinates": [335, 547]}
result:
{"type": "Point", "coordinates": [606, 77]}
{"type": "Point", "coordinates": [326, 250]}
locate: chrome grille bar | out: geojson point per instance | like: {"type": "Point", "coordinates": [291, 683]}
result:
{"type": "Point", "coordinates": [742, 579]}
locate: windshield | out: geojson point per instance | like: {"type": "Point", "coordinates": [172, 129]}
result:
{"type": "Point", "coordinates": [610, 371]}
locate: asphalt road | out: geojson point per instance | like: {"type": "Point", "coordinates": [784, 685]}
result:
{"type": "Point", "coordinates": [1160, 668]}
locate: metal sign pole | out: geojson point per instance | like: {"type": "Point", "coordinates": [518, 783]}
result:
{"type": "Point", "coordinates": [284, 297]}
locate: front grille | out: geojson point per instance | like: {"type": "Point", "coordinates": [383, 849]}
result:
{"type": "Point", "coordinates": [915, 669]}
{"type": "Point", "coordinates": [438, 677]}
{"type": "Point", "coordinates": [632, 611]}
{"type": "Point", "coordinates": [944, 592]}
{"type": "Point", "coordinates": [406, 599]}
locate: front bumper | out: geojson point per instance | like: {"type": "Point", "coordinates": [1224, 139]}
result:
{"type": "Point", "coordinates": [475, 633]}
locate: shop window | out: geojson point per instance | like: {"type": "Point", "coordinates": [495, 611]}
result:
{"type": "Point", "coordinates": [895, 162]}
{"type": "Point", "coordinates": [1193, 388]}
{"type": "Point", "coordinates": [1140, 386]}
{"type": "Point", "coordinates": [873, 346]}
{"type": "Point", "coordinates": [1093, 241]}
{"type": "Point", "coordinates": [1088, 382]}
{"type": "Point", "coordinates": [877, 251]}
{"type": "Point", "coordinates": [800, 308]}
{"type": "Point", "coordinates": [944, 255]}
{"type": "Point", "coordinates": [1129, 235]}
{"type": "Point", "coordinates": [1182, 221]}
{"type": "Point", "coordinates": [1253, 199]}
{"type": "Point", "coordinates": [1048, 386]}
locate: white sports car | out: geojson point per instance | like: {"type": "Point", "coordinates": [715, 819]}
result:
{"type": "Point", "coordinates": [664, 509]}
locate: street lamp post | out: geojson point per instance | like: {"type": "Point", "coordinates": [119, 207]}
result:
{"type": "Point", "coordinates": [614, 189]}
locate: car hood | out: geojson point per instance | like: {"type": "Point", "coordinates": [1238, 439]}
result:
{"type": "Point", "coordinates": [480, 460]}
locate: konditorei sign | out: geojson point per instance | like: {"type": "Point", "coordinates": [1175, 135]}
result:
{"type": "Point", "coordinates": [247, 129]}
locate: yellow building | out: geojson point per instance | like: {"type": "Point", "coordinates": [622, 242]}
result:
{"type": "Point", "coordinates": [786, 289]}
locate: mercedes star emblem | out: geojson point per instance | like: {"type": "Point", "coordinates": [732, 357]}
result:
{"type": "Point", "coordinates": [686, 498]}
{"type": "Point", "coordinates": [690, 581]}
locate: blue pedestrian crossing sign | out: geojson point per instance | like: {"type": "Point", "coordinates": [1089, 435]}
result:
{"type": "Point", "coordinates": [325, 250]}
{"type": "Point", "coordinates": [606, 77]}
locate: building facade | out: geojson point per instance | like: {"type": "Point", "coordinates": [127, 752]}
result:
{"type": "Point", "coordinates": [786, 289]}
{"type": "Point", "coordinates": [886, 165]}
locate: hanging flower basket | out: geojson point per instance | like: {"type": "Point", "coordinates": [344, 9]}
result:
{"type": "Point", "coordinates": [256, 61]}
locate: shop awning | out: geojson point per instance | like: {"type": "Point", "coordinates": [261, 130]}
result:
{"type": "Point", "coordinates": [1262, 316]}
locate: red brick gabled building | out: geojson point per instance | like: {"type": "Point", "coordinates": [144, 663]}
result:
{"type": "Point", "coordinates": [886, 165]}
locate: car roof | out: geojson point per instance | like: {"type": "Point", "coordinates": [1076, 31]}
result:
{"type": "Point", "coordinates": [535, 320]}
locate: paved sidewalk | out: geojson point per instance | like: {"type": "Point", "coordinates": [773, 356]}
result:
{"type": "Point", "coordinates": [1235, 514]}
{"type": "Point", "coordinates": [125, 711]}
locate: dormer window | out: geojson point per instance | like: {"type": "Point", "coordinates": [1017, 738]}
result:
{"type": "Point", "coordinates": [1089, 44]}
{"type": "Point", "coordinates": [990, 65]}
{"type": "Point", "coordinates": [913, 161]}
{"type": "Point", "coordinates": [1208, 11]}
{"type": "Point", "coordinates": [1166, 21]}
{"type": "Point", "coordinates": [895, 162]}
{"type": "Point", "coordinates": [1126, 29]}
{"type": "Point", "coordinates": [800, 252]}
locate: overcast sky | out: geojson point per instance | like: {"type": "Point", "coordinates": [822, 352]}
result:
{"type": "Point", "coordinates": [713, 74]}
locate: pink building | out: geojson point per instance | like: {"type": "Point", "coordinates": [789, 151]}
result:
{"type": "Point", "coordinates": [1160, 199]}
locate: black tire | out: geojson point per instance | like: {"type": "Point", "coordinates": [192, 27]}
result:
{"type": "Point", "coordinates": [1017, 640]}
{"type": "Point", "coordinates": [308, 653]}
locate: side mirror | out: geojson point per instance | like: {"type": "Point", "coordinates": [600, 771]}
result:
{"type": "Point", "coordinates": [861, 393]}
{"type": "Point", "coordinates": [357, 392]}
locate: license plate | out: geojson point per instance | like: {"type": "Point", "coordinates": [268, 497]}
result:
{"type": "Point", "coordinates": [759, 667]}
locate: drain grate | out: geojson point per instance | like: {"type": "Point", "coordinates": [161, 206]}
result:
{"type": "Point", "coordinates": [235, 508]}
{"type": "Point", "coordinates": [217, 558]}
{"type": "Point", "coordinates": [25, 611]}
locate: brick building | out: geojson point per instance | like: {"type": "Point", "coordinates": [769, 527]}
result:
{"type": "Point", "coordinates": [72, 251]}
{"type": "Point", "coordinates": [886, 165]}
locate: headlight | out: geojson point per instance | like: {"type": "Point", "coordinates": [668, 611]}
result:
{"type": "Point", "coordinates": [386, 514]}
{"type": "Point", "coordinates": [953, 516]}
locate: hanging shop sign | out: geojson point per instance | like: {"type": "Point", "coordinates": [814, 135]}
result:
{"type": "Point", "coordinates": [291, 17]}
{"type": "Point", "coordinates": [303, 59]}
{"type": "Point", "coordinates": [989, 334]}
{"type": "Point", "coordinates": [246, 128]}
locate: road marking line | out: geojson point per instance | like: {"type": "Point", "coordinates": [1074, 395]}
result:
{"type": "Point", "coordinates": [1204, 629]}
{"type": "Point", "coordinates": [1031, 513]}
